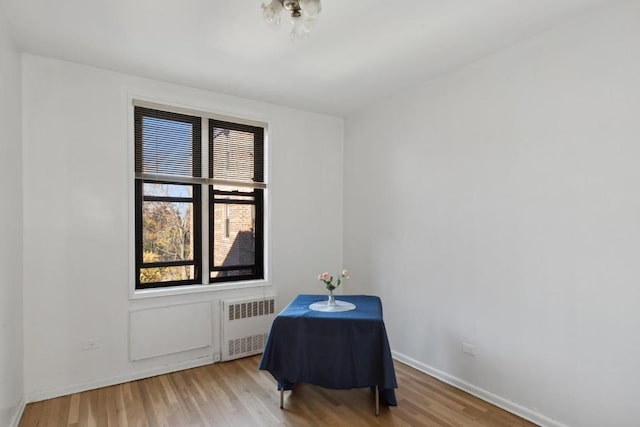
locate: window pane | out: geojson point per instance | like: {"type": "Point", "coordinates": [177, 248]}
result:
{"type": "Point", "coordinates": [238, 223]}
{"type": "Point", "coordinates": [166, 274]}
{"type": "Point", "coordinates": [167, 190]}
{"type": "Point", "coordinates": [167, 146]}
{"type": "Point", "coordinates": [231, 273]}
{"type": "Point", "coordinates": [167, 231]}
{"type": "Point", "coordinates": [233, 156]}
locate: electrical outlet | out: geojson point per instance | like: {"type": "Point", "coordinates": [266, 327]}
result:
{"type": "Point", "coordinates": [91, 344]}
{"type": "Point", "coordinates": [469, 349]}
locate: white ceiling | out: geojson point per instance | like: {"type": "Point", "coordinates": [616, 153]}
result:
{"type": "Point", "coordinates": [360, 51]}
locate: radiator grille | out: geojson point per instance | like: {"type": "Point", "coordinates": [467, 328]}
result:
{"type": "Point", "coordinates": [244, 310]}
{"type": "Point", "coordinates": [251, 344]}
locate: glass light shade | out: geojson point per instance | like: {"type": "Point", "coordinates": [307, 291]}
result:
{"type": "Point", "coordinates": [303, 14]}
{"type": "Point", "coordinates": [300, 26]}
{"type": "Point", "coordinates": [271, 12]}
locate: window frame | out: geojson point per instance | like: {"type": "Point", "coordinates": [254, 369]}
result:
{"type": "Point", "coordinates": [258, 201]}
{"type": "Point", "coordinates": [196, 201]}
{"type": "Point", "coordinates": [203, 204]}
{"type": "Point", "coordinates": [258, 265]}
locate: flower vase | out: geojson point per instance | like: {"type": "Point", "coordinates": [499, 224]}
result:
{"type": "Point", "coordinates": [331, 302]}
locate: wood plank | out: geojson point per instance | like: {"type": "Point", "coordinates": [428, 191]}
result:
{"type": "Point", "coordinates": [237, 394]}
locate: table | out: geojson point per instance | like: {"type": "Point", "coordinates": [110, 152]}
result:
{"type": "Point", "coordinates": [340, 350]}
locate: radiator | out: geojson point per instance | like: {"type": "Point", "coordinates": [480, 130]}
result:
{"type": "Point", "coordinates": [245, 325]}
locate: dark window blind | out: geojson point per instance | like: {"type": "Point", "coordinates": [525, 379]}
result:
{"type": "Point", "coordinates": [167, 143]}
{"type": "Point", "coordinates": [236, 152]}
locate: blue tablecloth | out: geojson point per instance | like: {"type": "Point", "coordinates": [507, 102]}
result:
{"type": "Point", "coordinates": [339, 350]}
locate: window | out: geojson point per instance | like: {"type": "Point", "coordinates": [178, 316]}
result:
{"type": "Point", "coordinates": [173, 200]}
{"type": "Point", "coordinates": [236, 164]}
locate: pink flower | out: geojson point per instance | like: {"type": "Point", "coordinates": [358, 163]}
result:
{"type": "Point", "coordinates": [324, 276]}
{"type": "Point", "coordinates": [345, 273]}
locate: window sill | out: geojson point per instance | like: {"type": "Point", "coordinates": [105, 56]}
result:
{"type": "Point", "coordinates": [195, 289]}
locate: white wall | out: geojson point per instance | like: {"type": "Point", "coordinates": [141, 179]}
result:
{"type": "Point", "coordinates": [77, 209]}
{"type": "Point", "coordinates": [11, 349]}
{"type": "Point", "coordinates": [499, 205]}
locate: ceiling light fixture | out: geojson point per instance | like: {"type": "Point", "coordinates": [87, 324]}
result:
{"type": "Point", "coordinates": [303, 14]}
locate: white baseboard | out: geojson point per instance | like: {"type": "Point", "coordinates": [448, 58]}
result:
{"type": "Point", "coordinates": [19, 411]}
{"type": "Point", "coordinates": [487, 396]}
{"type": "Point", "coordinates": [37, 396]}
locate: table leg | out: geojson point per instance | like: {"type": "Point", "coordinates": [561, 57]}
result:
{"type": "Point", "coordinates": [282, 398]}
{"type": "Point", "coordinates": [377, 401]}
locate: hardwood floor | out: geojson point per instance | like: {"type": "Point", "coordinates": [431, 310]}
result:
{"type": "Point", "coordinates": [237, 394]}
